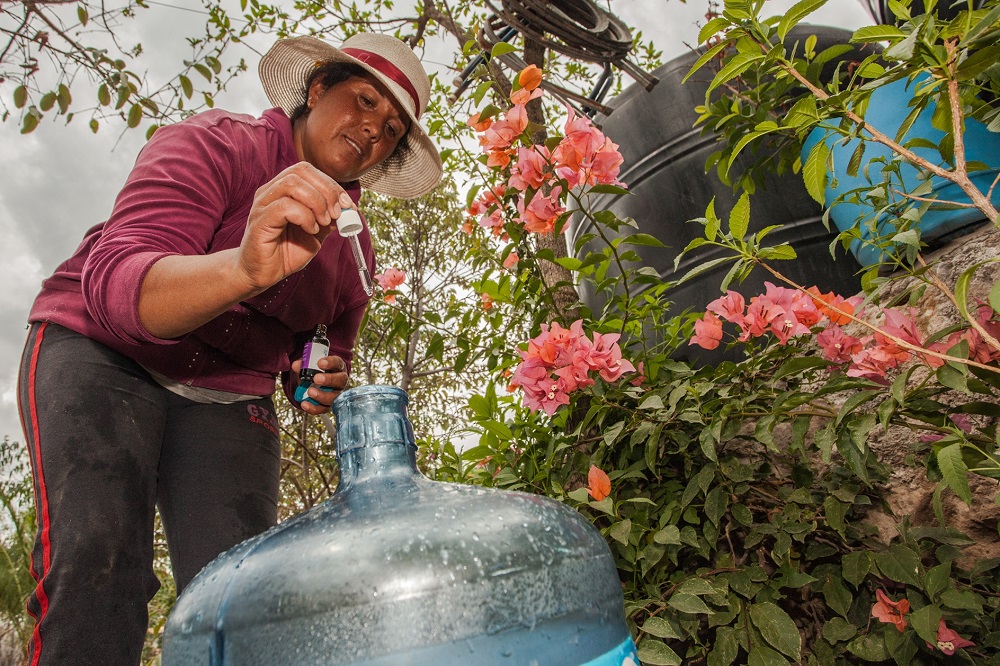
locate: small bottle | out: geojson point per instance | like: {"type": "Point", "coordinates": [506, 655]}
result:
{"type": "Point", "coordinates": [315, 349]}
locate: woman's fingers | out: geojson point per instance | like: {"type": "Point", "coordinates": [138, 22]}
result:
{"type": "Point", "coordinates": [310, 187]}
{"type": "Point", "coordinates": [291, 217]}
{"type": "Point", "coordinates": [326, 385]}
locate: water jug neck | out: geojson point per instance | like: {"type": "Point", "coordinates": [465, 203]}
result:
{"type": "Point", "coordinates": [374, 435]}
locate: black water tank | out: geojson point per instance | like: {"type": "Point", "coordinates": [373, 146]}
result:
{"type": "Point", "coordinates": [945, 10]}
{"type": "Point", "coordinates": [664, 167]}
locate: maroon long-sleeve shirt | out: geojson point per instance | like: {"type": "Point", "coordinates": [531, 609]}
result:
{"type": "Point", "coordinates": [190, 193]}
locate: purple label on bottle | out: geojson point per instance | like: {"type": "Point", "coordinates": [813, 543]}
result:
{"type": "Point", "coordinates": [312, 353]}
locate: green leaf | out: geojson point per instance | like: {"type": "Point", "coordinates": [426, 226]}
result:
{"type": "Point", "coordinates": [855, 162]}
{"type": "Point", "coordinates": [978, 62]}
{"type": "Point", "coordinates": [903, 49]}
{"type": "Point", "coordinates": [856, 566]}
{"type": "Point", "coordinates": [204, 71]}
{"type": "Point", "coordinates": [797, 364]}
{"type": "Point", "coordinates": [134, 115]}
{"type": "Point", "coordinates": [716, 504]}
{"type": "Point", "coordinates": [838, 629]}
{"type": "Point", "coordinates": [704, 267]}
{"type": "Point", "coordinates": [955, 471]}
{"type": "Point", "coordinates": [925, 622]}
{"type": "Point", "coordinates": [20, 96]}
{"type": "Point", "coordinates": [657, 653]}
{"type": "Point", "coordinates": [606, 505]}
{"type": "Point", "coordinates": [82, 15]}
{"type": "Point", "coordinates": [937, 579]}
{"type": "Point", "coordinates": [870, 647]}
{"type": "Point", "coordinates": [651, 401]}
{"type": "Point", "coordinates": [47, 102]}
{"type": "Point", "coordinates": [761, 655]}
{"type": "Point", "coordinates": [739, 218]}
{"type": "Point", "coordinates": [688, 603]}
{"type": "Point", "coordinates": [657, 626]}
{"type": "Point", "coordinates": [668, 536]}
{"type": "Point", "coordinates": [901, 564]}
{"type": "Point", "coordinates": [705, 57]}
{"type": "Point", "coordinates": [696, 586]}
{"type": "Point", "coordinates": [620, 531]}
{"type": "Point", "coordinates": [795, 14]}
{"type": "Point", "coordinates": [837, 596]}
{"type": "Point", "coordinates": [502, 48]}
{"type": "Point", "coordinates": [814, 173]}
{"type": "Point", "coordinates": [736, 66]}
{"type": "Point", "coordinates": [186, 86]}
{"type": "Point", "coordinates": [29, 123]}
{"type": "Point", "coordinates": [777, 628]}
{"type": "Point", "coordinates": [643, 239]}
{"type": "Point", "coordinates": [726, 647]}
{"type": "Point", "coordinates": [877, 33]}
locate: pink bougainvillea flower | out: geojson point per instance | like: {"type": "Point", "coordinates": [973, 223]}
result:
{"type": "Point", "coordinates": [479, 125]}
{"type": "Point", "coordinates": [502, 133]}
{"type": "Point", "coordinates": [541, 214]}
{"type": "Point", "coordinates": [493, 221]}
{"type": "Point", "coordinates": [901, 325]}
{"type": "Point", "coordinates": [532, 168]}
{"type": "Point", "coordinates": [511, 260]}
{"type": "Point", "coordinates": [523, 95]}
{"type": "Point", "coordinates": [388, 281]}
{"type": "Point", "coordinates": [499, 159]}
{"type": "Point", "coordinates": [606, 165]}
{"type": "Point", "coordinates": [873, 362]}
{"type": "Point", "coordinates": [605, 356]}
{"type": "Point", "coordinates": [575, 375]}
{"type": "Point", "coordinates": [836, 308]}
{"type": "Point", "coordinates": [640, 375]}
{"type": "Point", "coordinates": [530, 77]}
{"type": "Point", "coordinates": [760, 313]}
{"type": "Point", "coordinates": [467, 226]}
{"type": "Point", "coordinates": [487, 301]}
{"type": "Point", "coordinates": [787, 326]}
{"type": "Point", "coordinates": [837, 346]}
{"type": "Point", "coordinates": [598, 483]}
{"type": "Point", "coordinates": [391, 279]}
{"type": "Point", "coordinates": [890, 612]}
{"type": "Point", "coordinates": [948, 640]}
{"type": "Point", "coordinates": [797, 306]}
{"type": "Point", "coordinates": [586, 155]}
{"type": "Point", "coordinates": [730, 307]}
{"type": "Point", "coordinates": [707, 332]}
{"type": "Point", "coordinates": [559, 360]}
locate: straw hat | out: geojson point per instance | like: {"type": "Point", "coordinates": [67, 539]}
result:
{"type": "Point", "coordinates": [285, 69]}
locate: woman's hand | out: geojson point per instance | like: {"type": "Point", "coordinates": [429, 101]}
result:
{"type": "Point", "coordinates": [291, 217]}
{"type": "Point", "coordinates": [327, 385]}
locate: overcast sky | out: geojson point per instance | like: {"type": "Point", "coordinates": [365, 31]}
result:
{"type": "Point", "coordinates": [62, 179]}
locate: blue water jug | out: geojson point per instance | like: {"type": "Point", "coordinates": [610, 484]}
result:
{"type": "Point", "coordinates": [398, 569]}
{"type": "Point", "coordinates": [887, 109]}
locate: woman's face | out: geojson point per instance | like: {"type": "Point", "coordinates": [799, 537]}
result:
{"type": "Point", "coordinates": [350, 127]}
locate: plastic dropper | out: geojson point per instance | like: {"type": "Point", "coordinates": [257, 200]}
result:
{"type": "Point", "coordinates": [349, 225]}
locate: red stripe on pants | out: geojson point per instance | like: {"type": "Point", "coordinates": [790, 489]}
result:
{"type": "Point", "coordinates": [41, 501]}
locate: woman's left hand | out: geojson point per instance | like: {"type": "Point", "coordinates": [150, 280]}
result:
{"type": "Point", "coordinates": [326, 385]}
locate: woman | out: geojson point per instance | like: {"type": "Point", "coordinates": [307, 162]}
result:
{"type": "Point", "coordinates": [153, 352]}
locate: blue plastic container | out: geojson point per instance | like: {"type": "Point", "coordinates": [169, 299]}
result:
{"type": "Point", "coordinates": [398, 569]}
{"type": "Point", "coordinates": [887, 109]}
